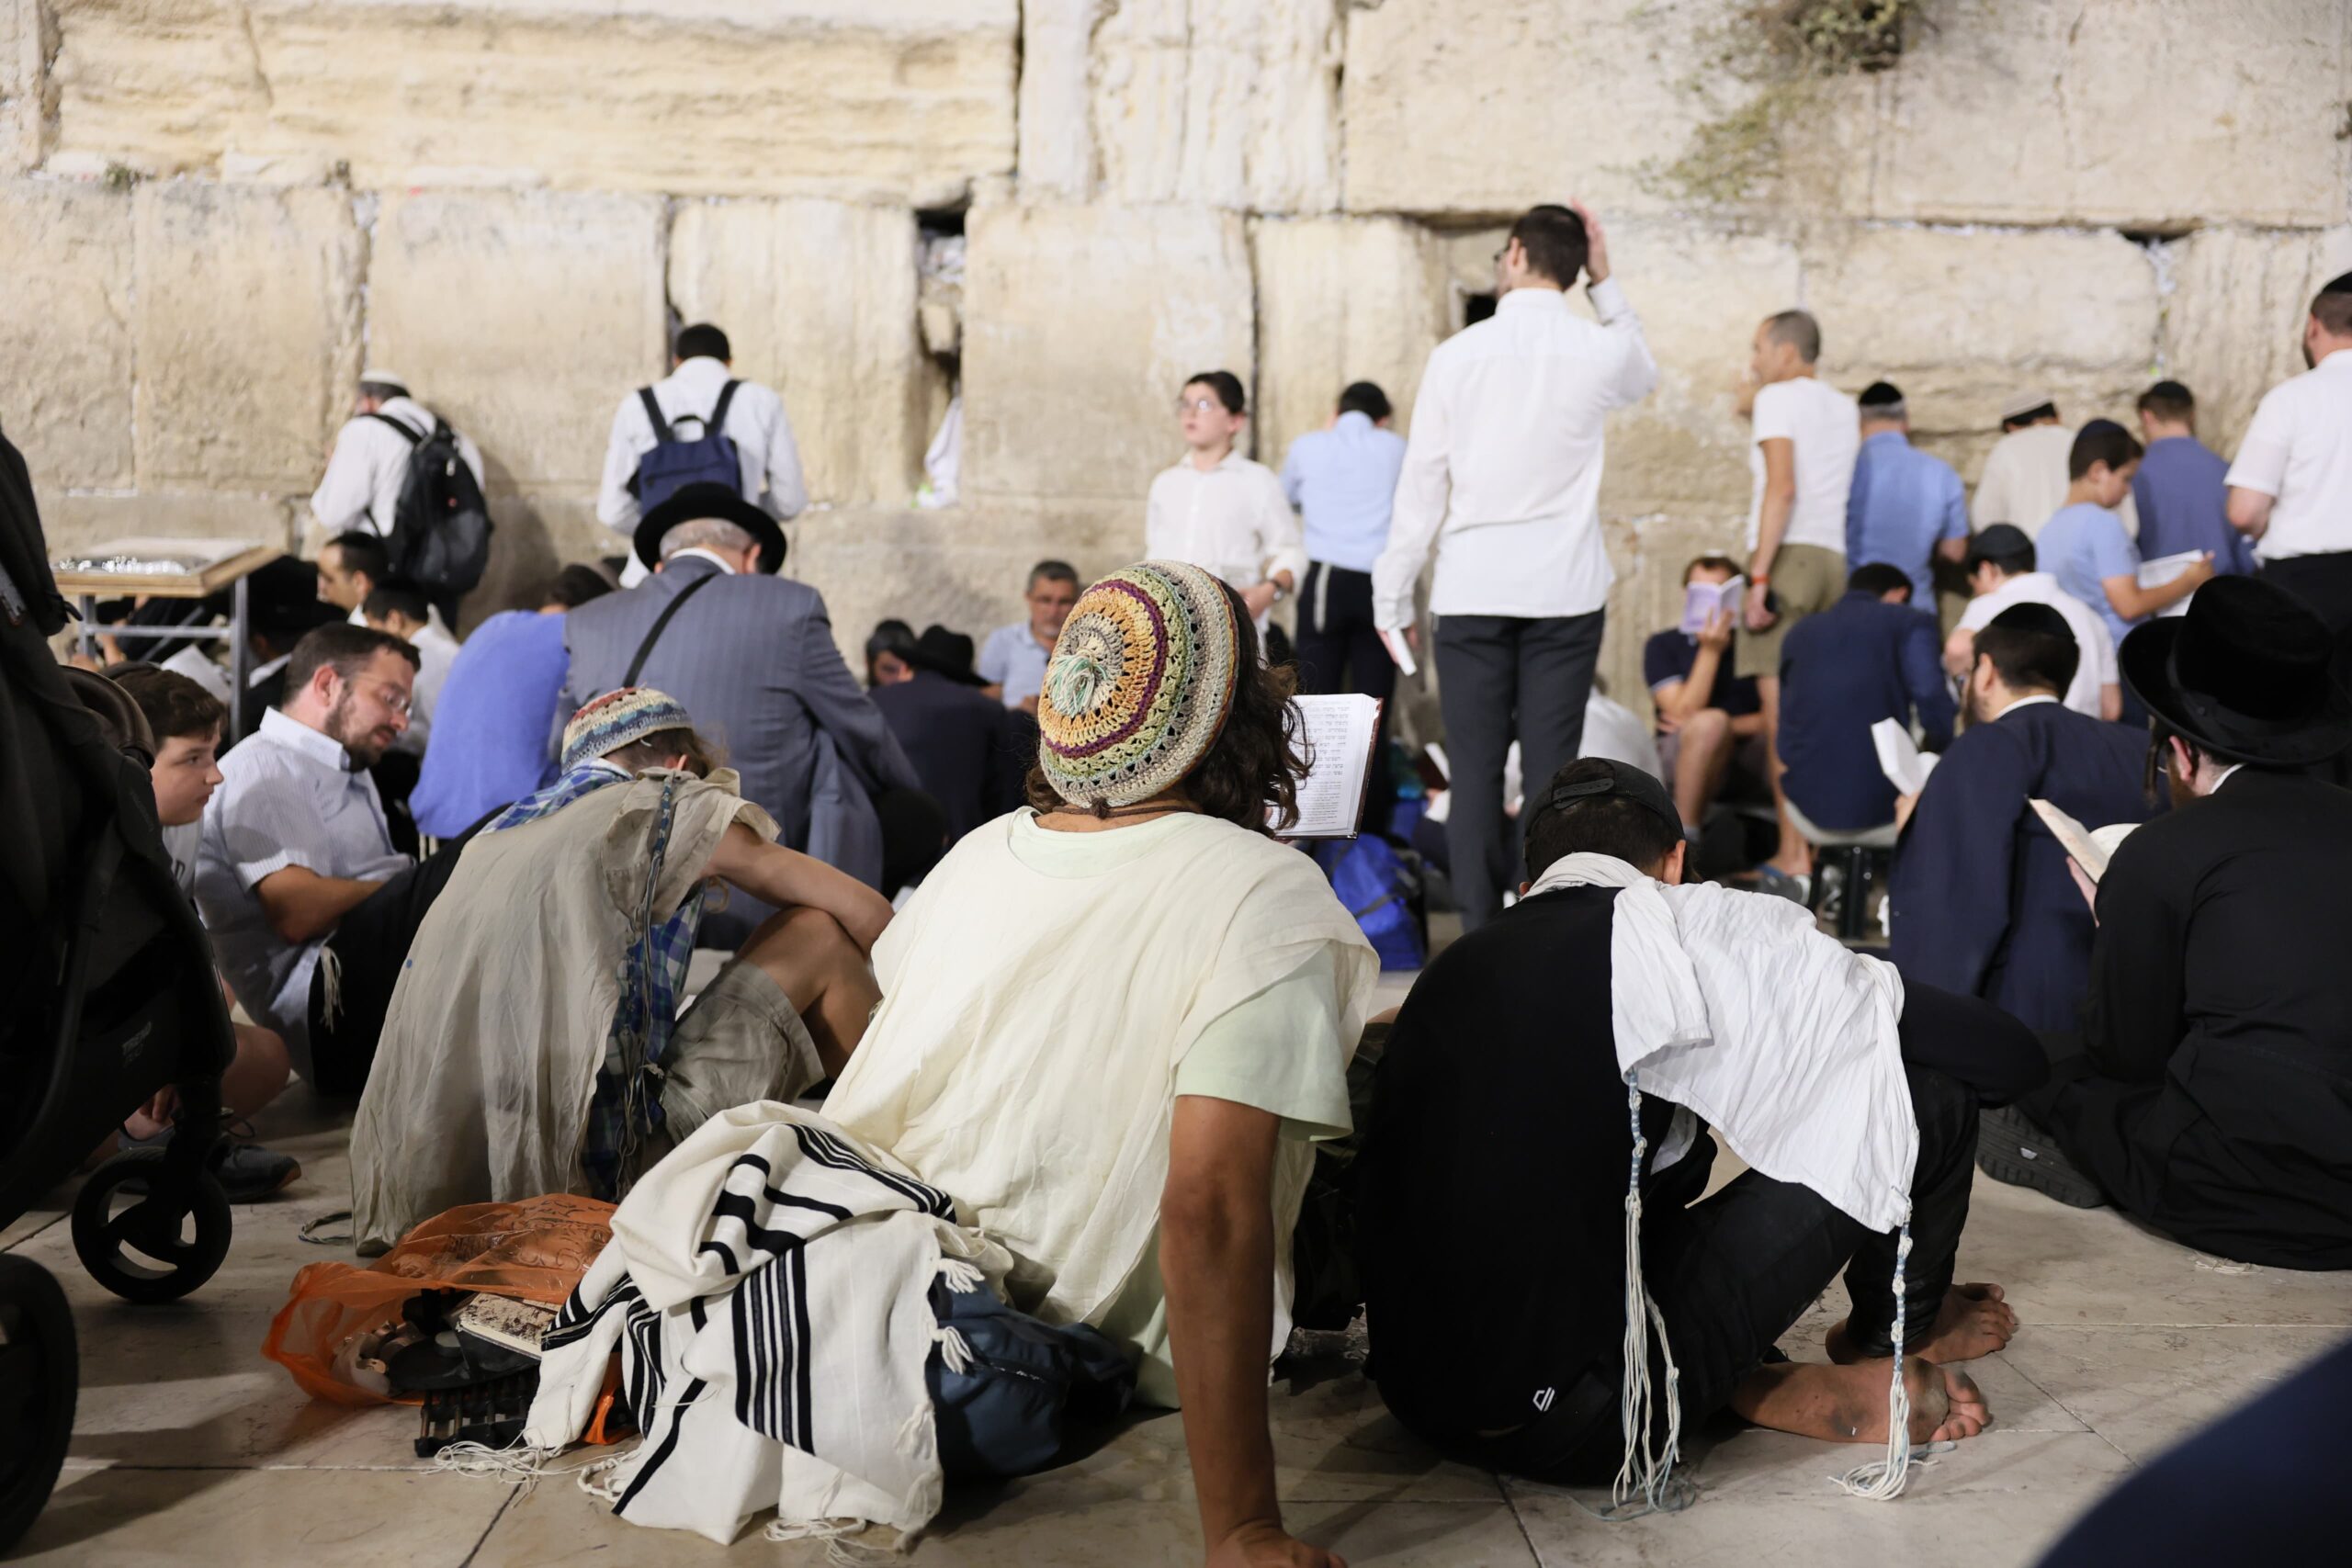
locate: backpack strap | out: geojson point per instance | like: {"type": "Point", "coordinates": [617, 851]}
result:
{"type": "Point", "coordinates": [718, 425]}
{"type": "Point", "coordinates": [661, 622]}
{"type": "Point", "coordinates": [653, 412]}
{"type": "Point", "coordinates": [414, 437]}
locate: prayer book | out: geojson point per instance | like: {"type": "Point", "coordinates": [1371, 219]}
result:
{"type": "Point", "coordinates": [1701, 600]}
{"type": "Point", "coordinates": [1399, 651]}
{"type": "Point", "coordinates": [1338, 732]}
{"type": "Point", "coordinates": [2090, 848]}
{"type": "Point", "coordinates": [2163, 570]}
{"type": "Point", "coordinates": [1899, 757]}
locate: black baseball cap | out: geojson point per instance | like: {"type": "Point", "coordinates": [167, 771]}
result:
{"type": "Point", "coordinates": [1605, 776]}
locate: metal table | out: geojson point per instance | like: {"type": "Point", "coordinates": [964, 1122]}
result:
{"type": "Point", "coordinates": [87, 587]}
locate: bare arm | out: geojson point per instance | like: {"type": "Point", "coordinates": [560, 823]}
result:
{"type": "Point", "coordinates": [1780, 501]}
{"type": "Point", "coordinates": [2110, 702]}
{"type": "Point", "coordinates": [2250, 511]}
{"type": "Point", "coordinates": [301, 906]}
{"type": "Point", "coordinates": [1959, 651]}
{"type": "Point", "coordinates": [1680, 701]}
{"type": "Point", "coordinates": [1952, 549]}
{"type": "Point", "coordinates": [2131, 602]}
{"type": "Point", "coordinates": [786, 877]}
{"type": "Point", "coordinates": [1217, 1253]}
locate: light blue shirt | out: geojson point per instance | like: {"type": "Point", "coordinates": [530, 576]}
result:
{"type": "Point", "coordinates": [1343, 480]}
{"type": "Point", "coordinates": [2083, 544]}
{"type": "Point", "coordinates": [1014, 660]}
{"type": "Point", "coordinates": [1903, 502]}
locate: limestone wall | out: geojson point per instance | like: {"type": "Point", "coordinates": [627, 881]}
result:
{"type": "Point", "coordinates": [212, 212]}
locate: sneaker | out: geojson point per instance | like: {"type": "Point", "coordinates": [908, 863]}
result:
{"type": "Point", "coordinates": [2012, 1147]}
{"type": "Point", "coordinates": [1771, 878]}
{"type": "Point", "coordinates": [250, 1173]}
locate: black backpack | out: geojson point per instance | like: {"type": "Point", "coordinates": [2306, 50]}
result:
{"type": "Point", "coordinates": [440, 534]}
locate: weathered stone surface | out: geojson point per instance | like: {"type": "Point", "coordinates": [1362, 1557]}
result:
{"type": "Point", "coordinates": [819, 300]}
{"type": "Point", "coordinates": [2233, 321]}
{"type": "Point", "coordinates": [2138, 113]}
{"type": "Point", "coordinates": [524, 317]}
{"type": "Point", "coordinates": [1964, 322]}
{"type": "Point", "coordinates": [71, 521]}
{"type": "Point", "coordinates": [1233, 103]}
{"type": "Point", "coordinates": [868, 99]}
{"type": "Point", "coordinates": [1057, 150]}
{"type": "Point", "coordinates": [24, 85]}
{"type": "Point", "coordinates": [1081, 326]}
{"type": "Point", "coordinates": [247, 332]}
{"type": "Point", "coordinates": [1340, 299]}
{"type": "Point", "coordinates": [65, 254]}
{"type": "Point", "coordinates": [1487, 106]}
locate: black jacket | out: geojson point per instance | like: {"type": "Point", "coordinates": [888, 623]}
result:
{"type": "Point", "coordinates": [2219, 1024]}
{"type": "Point", "coordinates": [967, 747]}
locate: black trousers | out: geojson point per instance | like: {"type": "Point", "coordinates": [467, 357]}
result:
{"type": "Point", "coordinates": [1339, 650]}
{"type": "Point", "coordinates": [1505, 678]}
{"type": "Point", "coordinates": [1733, 1272]}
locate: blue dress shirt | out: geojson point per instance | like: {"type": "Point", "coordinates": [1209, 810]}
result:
{"type": "Point", "coordinates": [1343, 481]}
{"type": "Point", "coordinates": [1903, 502]}
{"type": "Point", "coordinates": [2183, 496]}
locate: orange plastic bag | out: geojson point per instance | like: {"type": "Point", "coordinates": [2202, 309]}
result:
{"type": "Point", "coordinates": [535, 1251]}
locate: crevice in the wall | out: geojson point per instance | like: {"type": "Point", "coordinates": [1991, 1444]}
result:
{"type": "Point", "coordinates": [253, 54]}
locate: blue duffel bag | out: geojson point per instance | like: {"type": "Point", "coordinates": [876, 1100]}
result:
{"type": "Point", "coordinates": [1007, 1410]}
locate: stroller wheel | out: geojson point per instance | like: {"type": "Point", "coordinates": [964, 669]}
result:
{"type": "Point", "coordinates": [156, 1245]}
{"type": "Point", "coordinates": [38, 1379]}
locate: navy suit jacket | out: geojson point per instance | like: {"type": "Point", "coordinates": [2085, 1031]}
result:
{"type": "Point", "coordinates": [1981, 901]}
{"type": "Point", "coordinates": [972, 751]}
{"type": "Point", "coordinates": [1842, 671]}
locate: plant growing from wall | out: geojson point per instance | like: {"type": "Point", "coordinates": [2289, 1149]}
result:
{"type": "Point", "coordinates": [1765, 69]}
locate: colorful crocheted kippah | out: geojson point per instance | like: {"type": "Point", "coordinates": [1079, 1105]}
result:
{"type": "Point", "coordinates": [619, 718]}
{"type": "Point", "coordinates": [1139, 684]}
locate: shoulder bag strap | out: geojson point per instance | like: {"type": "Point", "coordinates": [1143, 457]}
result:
{"type": "Point", "coordinates": [662, 620]}
{"type": "Point", "coordinates": [718, 425]}
{"type": "Point", "coordinates": [653, 412]}
{"type": "Point", "coordinates": [414, 438]}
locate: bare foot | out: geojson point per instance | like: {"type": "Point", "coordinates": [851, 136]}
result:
{"type": "Point", "coordinates": [1848, 1403]}
{"type": "Point", "coordinates": [1974, 1320]}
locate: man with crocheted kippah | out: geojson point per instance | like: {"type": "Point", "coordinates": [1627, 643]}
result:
{"type": "Point", "coordinates": [533, 1043]}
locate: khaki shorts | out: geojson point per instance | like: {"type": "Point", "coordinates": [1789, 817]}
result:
{"type": "Point", "coordinates": [1807, 579]}
{"type": "Point", "coordinates": [739, 1042]}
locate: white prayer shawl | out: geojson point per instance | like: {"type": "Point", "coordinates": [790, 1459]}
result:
{"type": "Point", "coordinates": [1734, 1005]}
{"type": "Point", "coordinates": [768, 1287]}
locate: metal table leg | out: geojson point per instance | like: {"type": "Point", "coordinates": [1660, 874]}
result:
{"type": "Point", "coordinates": [88, 636]}
{"type": "Point", "coordinates": [240, 656]}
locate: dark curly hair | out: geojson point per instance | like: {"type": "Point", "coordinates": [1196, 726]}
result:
{"type": "Point", "coordinates": [1250, 774]}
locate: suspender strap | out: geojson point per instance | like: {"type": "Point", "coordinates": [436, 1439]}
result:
{"type": "Point", "coordinates": [718, 425]}
{"type": "Point", "coordinates": [662, 620]}
{"type": "Point", "coordinates": [653, 412]}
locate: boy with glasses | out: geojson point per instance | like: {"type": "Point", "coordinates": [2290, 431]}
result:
{"type": "Point", "coordinates": [1220, 511]}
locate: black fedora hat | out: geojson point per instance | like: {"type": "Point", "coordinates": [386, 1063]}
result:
{"type": "Point", "coordinates": [943, 652]}
{"type": "Point", "coordinates": [2246, 675]}
{"type": "Point", "coordinates": [718, 503]}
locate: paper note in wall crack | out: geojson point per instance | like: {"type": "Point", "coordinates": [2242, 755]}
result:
{"type": "Point", "coordinates": [1338, 732]}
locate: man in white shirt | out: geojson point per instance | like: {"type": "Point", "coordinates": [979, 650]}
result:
{"type": "Point", "coordinates": [295, 838]}
{"type": "Point", "coordinates": [1013, 661]}
{"type": "Point", "coordinates": [401, 609]}
{"type": "Point", "coordinates": [755, 423]}
{"type": "Point", "coordinates": [2000, 566]}
{"type": "Point", "coordinates": [1807, 435]}
{"type": "Point", "coordinates": [2024, 480]}
{"type": "Point", "coordinates": [2290, 487]}
{"type": "Point", "coordinates": [1221, 512]}
{"type": "Point", "coordinates": [361, 489]}
{"type": "Point", "coordinates": [1502, 480]}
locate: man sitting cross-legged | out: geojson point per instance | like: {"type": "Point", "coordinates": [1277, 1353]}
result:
{"type": "Point", "coordinates": [530, 1046]}
{"type": "Point", "coordinates": [1492, 1189]}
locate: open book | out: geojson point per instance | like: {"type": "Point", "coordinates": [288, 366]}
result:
{"type": "Point", "coordinates": [1701, 600]}
{"type": "Point", "coordinates": [1338, 732]}
{"type": "Point", "coordinates": [1899, 757]}
{"type": "Point", "coordinates": [2163, 570]}
{"type": "Point", "coordinates": [2090, 848]}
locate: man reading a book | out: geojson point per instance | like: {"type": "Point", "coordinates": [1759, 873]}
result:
{"type": "Point", "coordinates": [2211, 1093]}
{"type": "Point", "coordinates": [1981, 901]}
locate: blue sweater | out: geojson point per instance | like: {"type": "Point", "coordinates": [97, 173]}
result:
{"type": "Point", "coordinates": [1858, 661]}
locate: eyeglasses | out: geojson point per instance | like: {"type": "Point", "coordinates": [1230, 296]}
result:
{"type": "Point", "coordinates": [392, 696]}
{"type": "Point", "coordinates": [1198, 405]}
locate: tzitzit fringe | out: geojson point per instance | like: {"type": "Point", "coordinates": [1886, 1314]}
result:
{"type": "Point", "coordinates": [1646, 1470]}
{"type": "Point", "coordinates": [1882, 1480]}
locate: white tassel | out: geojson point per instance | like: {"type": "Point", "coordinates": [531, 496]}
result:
{"type": "Point", "coordinates": [603, 1479]}
{"type": "Point", "coordinates": [330, 985]}
{"type": "Point", "coordinates": [520, 1462]}
{"type": "Point", "coordinates": [960, 1274]}
{"type": "Point", "coordinates": [1650, 1473]}
{"type": "Point", "coordinates": [1883, 1480]}
{"type": "Point", "coordinates": [952, 1349]}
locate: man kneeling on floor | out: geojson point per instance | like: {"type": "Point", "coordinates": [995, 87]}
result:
{"type": "Point", "coordinates": [529, 1047]}
{"type": "Point", "coordinates": [1492, 1199]}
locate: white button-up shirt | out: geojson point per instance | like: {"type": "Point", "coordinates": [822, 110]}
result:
{"type": "Point", "coordinates": [436, 651]}
{"type": "Point", "coordinates": [2094, 643]}
{"type": "Point", "coordinates": [1231, 521]}
{"type": "Point", "coordinates": [2299, 450]}
{"type": "Point", "coordinates": [755, 423]}
{"type": "Point", "coordinates": [361, 489]}
{"type": "Point", "coordinates": [289, 796]}
{"type": "Point", "coordinates": [1502, 470]}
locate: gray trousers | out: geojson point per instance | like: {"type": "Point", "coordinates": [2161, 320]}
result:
{"type": "Point", "coordinates": [1503, 678]}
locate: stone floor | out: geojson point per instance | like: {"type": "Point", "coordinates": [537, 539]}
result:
{"type": "Point", "coordinates": [191, 1446]}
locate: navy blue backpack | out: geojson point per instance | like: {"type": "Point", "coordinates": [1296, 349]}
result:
{"type": "Point", "coordinates": [675, 463]}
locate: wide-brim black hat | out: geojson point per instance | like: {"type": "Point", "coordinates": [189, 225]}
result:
{"type": "Point", "coordinates": [2248, 674]}
{"type": "Point", "coordinates": [696, 502]}
{"type": "Point", "coordinates": [943, 652]}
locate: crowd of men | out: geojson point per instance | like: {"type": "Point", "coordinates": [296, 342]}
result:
{"type": "Point", "coordinates": [2166, 1032]}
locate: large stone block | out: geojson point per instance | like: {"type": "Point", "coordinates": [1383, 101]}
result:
{"type": "Point", "coordinates": [819, 300]}
{"type": "Point", "coordinates": [65, 254]}
{"type": "Point", "coordinates": [524, 317]}
{"type": "Point", "coordinates": [1963, 322]}
{"type": "Point", "coordinates": [902, 100]}
{"type": "Point", "coordinates": [1340, 299]}
{"type": "Point", "coordinates": [1081, 326]}
{"type": "Point", "coordinates": [24, 85]}
{"type": "Point", "coordinates": [2138, 113]}
{"type": "Point", "coordinates": [1233, 103]}
{"type": "Point", "coordinates": [2233, 321]}
{"type": "Point", "coordinates": [247, 329]}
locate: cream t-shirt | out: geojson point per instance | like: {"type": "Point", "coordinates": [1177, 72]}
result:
{"type": "Point", "coordinates": [1825, 426]}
